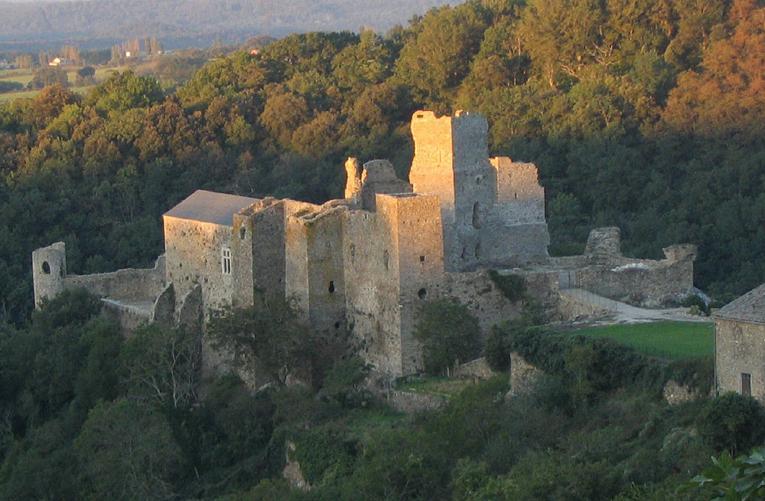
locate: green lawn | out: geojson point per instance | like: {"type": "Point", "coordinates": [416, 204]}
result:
{"type": "Point", "coordinates": [673, 340]}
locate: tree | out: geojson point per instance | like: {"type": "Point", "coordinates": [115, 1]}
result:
{"type": "Point", "coordinates": [266, 337]}
{"type": "Point", "coordinates": [434, 62]}
{"type": "Point", "coordinates": [737, 479]}
{"type": "Point", "coordinates": [48, 75]}
{"type": "Point", "coordinates": [732, 423]}
{"type": "Point", "coordinates": [85, 76]}
{"type": "Point", "coordinates": [162, 365]}
{"type": "Point", "coordinates": [448, 332]}
{"type": "Point", "coordinates": [127, 450]}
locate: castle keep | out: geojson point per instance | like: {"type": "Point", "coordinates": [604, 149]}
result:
{"type": "Point", "coordinates": [366, 263]}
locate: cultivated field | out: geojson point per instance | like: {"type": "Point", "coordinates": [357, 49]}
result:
{"type": "Point", "coordinates": [25, 76]}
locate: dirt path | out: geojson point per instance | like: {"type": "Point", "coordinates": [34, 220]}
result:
{"type": "Point", "coordinates": [623, 313]}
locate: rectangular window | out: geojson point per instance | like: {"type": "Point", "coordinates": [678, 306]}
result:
{"type": "Point", "coordinates": [226, 261]}
{"type": "Point", "coordinates": [746, 384]}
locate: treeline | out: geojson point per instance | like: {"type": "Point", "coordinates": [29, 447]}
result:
{"type": "Point", "coordinates": [645, 115]}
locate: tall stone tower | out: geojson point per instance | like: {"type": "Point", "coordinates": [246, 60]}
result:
{"type": "Point", "coordinates": [451, 161]}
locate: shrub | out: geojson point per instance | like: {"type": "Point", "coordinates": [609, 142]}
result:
{"type": "Point", "coordinates": [696, 304]}
{"type": "Point", "coordinates": [513, 287]}
{"type": "Point", "coordinates": [320, 449]}
{"type": "Point", "coordinates": [728, 478]}
{"type": "Point", "coordinates": [732, 423]}
{"type": "Point", "coordinates": [448, 333]}
{"type": "Point", "coordinates": [496, 351]}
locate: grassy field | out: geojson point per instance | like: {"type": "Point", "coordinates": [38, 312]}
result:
{"type": "Point", "coordinates": [672, 340]}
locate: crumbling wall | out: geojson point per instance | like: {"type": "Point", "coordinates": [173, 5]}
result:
{"type": "Point", "coordinates": [194, 255]}
{"type": "Point", "coordinates": [645, 282]}
{"type": "Point", "coordinates": [131, 283]}
{"type": "Point", "coordinates": [520, 197]}
{"type": "Point", "coordinates": [739, 349]}
{"type": "Point", "coordinates": [48, 271]}
{"type": "Point", "coordinates": [378, 176]}
{"type": "Point", "coordinates": [481, 296]}
{"type": "Point", "coordinates": [316, 269]}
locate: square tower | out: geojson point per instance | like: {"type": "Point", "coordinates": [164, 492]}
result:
{"type": "Point", "coordinates": [451, 161]}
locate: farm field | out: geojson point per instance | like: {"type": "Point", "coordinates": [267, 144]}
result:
{"type": "Point", "coordinates": [25, 76]}
{"type": "Point", "coordinates": [671, 340]}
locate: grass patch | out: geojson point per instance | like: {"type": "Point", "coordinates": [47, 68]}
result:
{"type": "Point", "coordinates": [670, 340]}
{"type": "Point", "coordinates": [435, 385]}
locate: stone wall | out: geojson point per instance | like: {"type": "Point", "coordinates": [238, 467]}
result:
{"type": "Point", "coordinates": [129, 284]}
{"type": "Point", "coordinates": [194, 254]}
{"type": "Point", "coordinates": [378, 176]}
{"type": "Point", "coordinates": [481, 296]}
{"type": "Point", "coordinates": [410, 402]}
{"type": "Point", "coordinates": [739, 349]}
{"type": "Point", "coordinates": [675, 393]}
{"type": "Point", "coordinates": [520, 197]}
{"type": "Point", "coordinates": [315, 253]}
{"type": "Point", "coordinates": [477, 369]}
{"type": "Point", "coordinates": [372, 289]}
{"type": "Point", "coordinates": [48, 271]}
{"type": "Point", "coordinates": [417, 236]}
{"type": "Point", "coordinates": [523, 376]}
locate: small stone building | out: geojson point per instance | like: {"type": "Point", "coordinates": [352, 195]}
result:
{"type": "Point", "coordinates": [740, 345]}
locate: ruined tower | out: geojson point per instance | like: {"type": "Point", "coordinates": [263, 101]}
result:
{"type": "Point", "coordinates": [48, 271]}
{"type": "Point", "coordinates": [451, 161]}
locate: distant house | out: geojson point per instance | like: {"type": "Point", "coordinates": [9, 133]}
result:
{"type": "Point", "coordinates": [60, 61]}
{"type": "Point", "coordinates": [740, 345]}
{"type": "Point", "coordinates": [5, 65]}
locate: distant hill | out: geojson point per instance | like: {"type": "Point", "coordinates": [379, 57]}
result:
{"type": "Point", "coordinates": [105, 19]}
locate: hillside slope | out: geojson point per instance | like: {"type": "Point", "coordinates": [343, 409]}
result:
{"type": "Point", "coordinates": [131, 18]}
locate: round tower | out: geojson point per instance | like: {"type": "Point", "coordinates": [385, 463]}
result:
{"type": "Point", "coordinates": [48, 271]}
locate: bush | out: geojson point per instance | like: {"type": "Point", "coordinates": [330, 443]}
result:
{"type": "Point", "coordinates": [732, 423]}
{"type": "Point", "coordinates": [697, 305]}
{"type": "Point", "coordinates": [448, 333]}
{"type": "Point", "coordinates": [320, 449]}
{"type": "Point", "coordinates": [496, 351]}
{"type": "Point", "coordinates": [513, 287]}
{"type": "Point", "coordinates": [344, 382]}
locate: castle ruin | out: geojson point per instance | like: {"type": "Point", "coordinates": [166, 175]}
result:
{"type": "Point", "coordinates": [366, 263]}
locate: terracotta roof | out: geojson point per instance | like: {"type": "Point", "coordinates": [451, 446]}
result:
{"type": "Point", "coordinates": [748, 308]}
{"type": "Point", "coordinates": [210, 207]}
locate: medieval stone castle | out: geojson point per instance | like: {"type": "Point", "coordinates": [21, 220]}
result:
{"type": "Point", "coordinates": [366, 263]}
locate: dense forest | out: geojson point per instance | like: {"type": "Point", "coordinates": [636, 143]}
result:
{"type": "Point", "coordinates": [641, 114]}
{"type": "Point", "coordinates": [89, 414]}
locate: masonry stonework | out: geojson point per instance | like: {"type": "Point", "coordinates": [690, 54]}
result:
{"type": "Point", "coordinates": [367, 263]}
